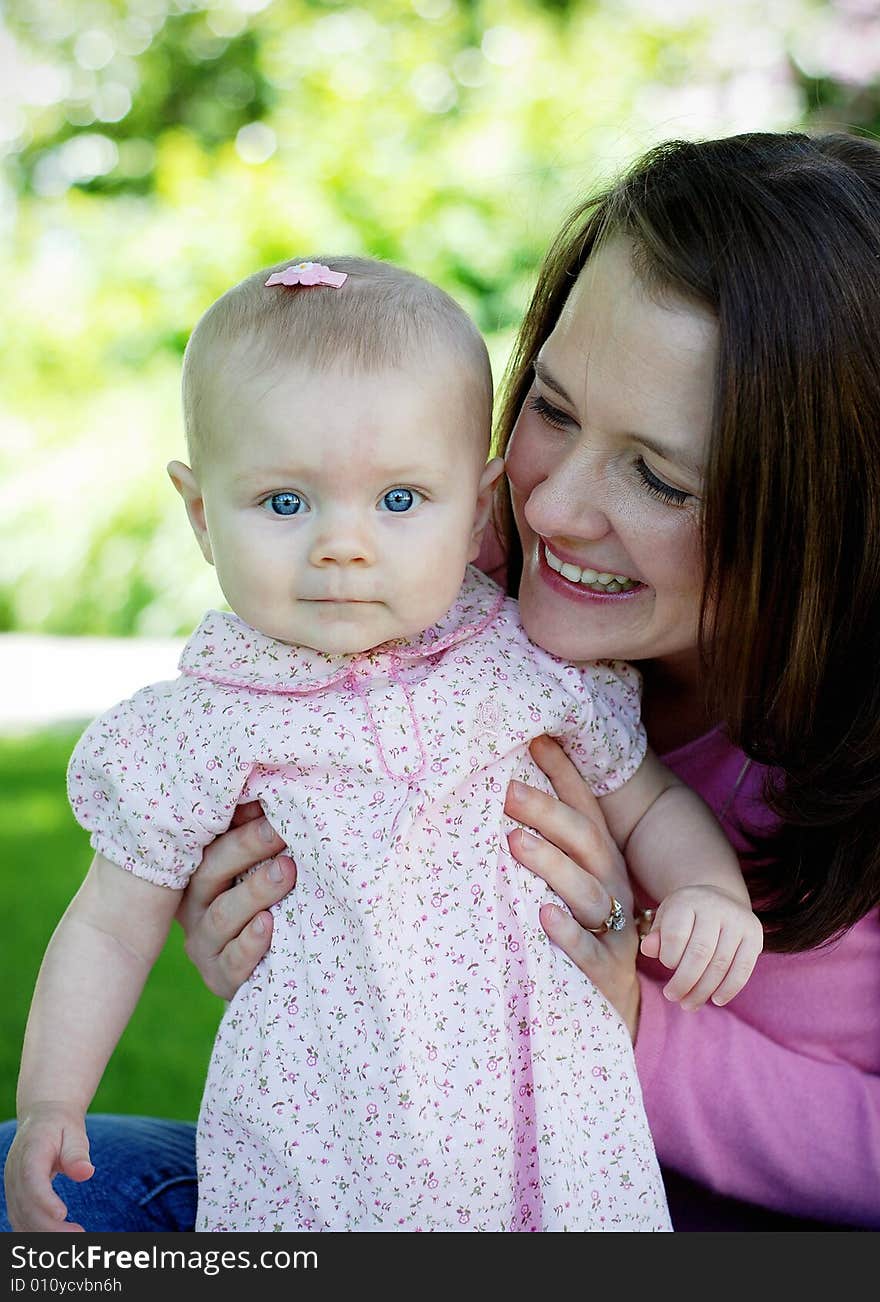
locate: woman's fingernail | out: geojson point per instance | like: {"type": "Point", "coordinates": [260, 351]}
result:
{"type": "Point", "coordinates": [551, 916]}
{"type": "Point", "coordinates": [516, 790]}
{"type": "Point", "coordinates": [267, 831]}
{"type": "Point", "coordinates": [259, 925]}
{"type": "Point", "coordinates": [275, 872]}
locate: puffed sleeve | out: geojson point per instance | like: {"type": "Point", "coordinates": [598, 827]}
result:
{"type": "Point", "coordinates": [603, 733]}
{"type": "Point", "coordinates": [154, 783]}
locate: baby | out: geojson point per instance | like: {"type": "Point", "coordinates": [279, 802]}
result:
{"type": "Point", "coordinates": [412, 1054]}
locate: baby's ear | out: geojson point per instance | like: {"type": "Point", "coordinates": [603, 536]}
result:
{"type": "Point", "coordinates": [492, 472]}
{"type": "Point", "coordinates": [184, 480]}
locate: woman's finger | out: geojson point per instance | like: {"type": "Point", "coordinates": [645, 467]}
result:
{"type": "Point", "coordinates": [229, 856]}
{"type": "Point", "coordinates": [610, 967]}
{"type": "Point", "coordinates": [239, 956]}
{"type": "Point", "coordinates": [246, 813]}
{"type": "Point", "coordinates": [582, 947]}
{"type": "Point", "coordinates": [226, 921]}
{"type": "Point", "coordinates": [582, 837]}
{"type": "Point", "coordinates": [586, 897]}
{"type": "Point", "coordinates": [232, 909]}
{"type": "Point", "coordinates": [566, 781]}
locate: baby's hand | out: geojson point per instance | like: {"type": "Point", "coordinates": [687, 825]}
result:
{"type": "Point", "coordinates": [50, 1141]}
{"type": "Point", "coordinates": [711, 939]}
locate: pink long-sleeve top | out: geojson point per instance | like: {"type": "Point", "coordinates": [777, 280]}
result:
{"type": "Point", "coordinates": [774, 1099]}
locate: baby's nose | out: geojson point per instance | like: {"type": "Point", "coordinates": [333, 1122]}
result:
{"type": "Point", "coordinates": [343, 541]}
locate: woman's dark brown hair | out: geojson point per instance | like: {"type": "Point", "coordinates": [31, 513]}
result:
{"type": "Point", "coordinates": [779, 234]}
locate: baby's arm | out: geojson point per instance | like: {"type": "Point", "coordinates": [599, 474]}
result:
{"type": "Point", "coordinates": [677, 853]}
{"type": "Point", "coordinates": [90, 980]}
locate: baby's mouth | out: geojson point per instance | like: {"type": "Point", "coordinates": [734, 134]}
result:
{"type": "Point", "coordinates": [587, 578]}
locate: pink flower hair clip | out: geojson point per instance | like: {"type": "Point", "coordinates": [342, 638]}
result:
{"type": "Point", "coordinates": [308, 273]}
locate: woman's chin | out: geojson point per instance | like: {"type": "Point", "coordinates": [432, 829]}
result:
{"type": "Point", "coordinates": [565, 643]}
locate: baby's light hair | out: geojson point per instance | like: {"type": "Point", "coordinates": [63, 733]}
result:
{"type": "Point", "coordinates": [379, 318]}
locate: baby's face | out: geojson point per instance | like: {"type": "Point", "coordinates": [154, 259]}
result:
{"type": "Point", "coordinates": [340, 508]}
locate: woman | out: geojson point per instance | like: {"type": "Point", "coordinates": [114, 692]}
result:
{"type": "Point", "coordinates": [691, 424]}
{"type": "Point", "coordinates": [714, 326]}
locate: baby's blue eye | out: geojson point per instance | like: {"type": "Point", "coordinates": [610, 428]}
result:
{"type": "Point", "coordinates": [285, 503]}
{"type": "Point", "coordinates": [400, 499]}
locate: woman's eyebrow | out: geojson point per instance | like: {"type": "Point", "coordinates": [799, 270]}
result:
{"type": "Point", "coordinates": [546, 377]}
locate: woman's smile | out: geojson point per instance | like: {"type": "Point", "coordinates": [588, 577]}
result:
{"type": "Point", "coordinates": [600, 583]}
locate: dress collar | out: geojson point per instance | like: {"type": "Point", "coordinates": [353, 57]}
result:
{"type": "Point", "coordinates": [224, 649]}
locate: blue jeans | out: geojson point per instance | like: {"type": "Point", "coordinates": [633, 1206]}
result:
{"type": "Point", "coordinates": [144, 1181]}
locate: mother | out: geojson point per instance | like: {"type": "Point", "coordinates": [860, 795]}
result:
{"type": "Point", "coordinates": [693, 405]}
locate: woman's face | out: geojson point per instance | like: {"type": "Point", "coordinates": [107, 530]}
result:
{"type": "Point", "coordinates": [605, 466]}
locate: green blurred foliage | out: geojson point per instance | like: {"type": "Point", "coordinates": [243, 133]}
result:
{"type": "Point", "coordinates": [158, 150]}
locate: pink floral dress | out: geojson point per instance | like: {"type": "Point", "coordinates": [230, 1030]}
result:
{"type": "Point", "coordinates": [412, 1054]}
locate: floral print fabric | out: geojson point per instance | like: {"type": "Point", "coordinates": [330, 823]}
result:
{"type": "Point", "coordinates": [412, 1054]}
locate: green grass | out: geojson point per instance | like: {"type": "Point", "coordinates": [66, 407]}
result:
{"type": "Point", "coordinates": [160, 1063]}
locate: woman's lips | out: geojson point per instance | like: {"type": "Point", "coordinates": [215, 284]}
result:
{"type": "Point", "coordinates": [576, 581]}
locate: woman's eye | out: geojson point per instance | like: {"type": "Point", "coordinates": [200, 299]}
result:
{"type": "Point", "coordinates": [552, 415]}
{"type": "Point", "coordinates": [286, 503]}
{"type": "Point", "coordinates": [659, 487]}
{"type": "Point", "coordinates": [401, 499]}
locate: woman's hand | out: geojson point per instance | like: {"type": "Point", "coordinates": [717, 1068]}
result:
{"type": "Point", "coordinates": [227, 926]}
{"type": "Point", "coordinates": [579, 860]}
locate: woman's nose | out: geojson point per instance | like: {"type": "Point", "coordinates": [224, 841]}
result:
{"type": "Point", "coordinates": [569, 502]}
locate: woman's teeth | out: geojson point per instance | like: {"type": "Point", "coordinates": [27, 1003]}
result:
{"type": "Point", "coordinates": [589, 578]}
